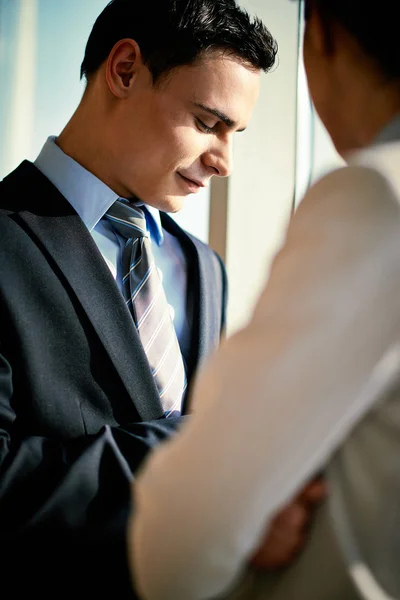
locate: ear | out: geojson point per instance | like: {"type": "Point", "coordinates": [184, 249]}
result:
{"type": "Point", "coordinates": [121, 67]}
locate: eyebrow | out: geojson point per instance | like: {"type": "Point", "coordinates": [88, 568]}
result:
{"type": "Point", "coordinates": [220, 115]}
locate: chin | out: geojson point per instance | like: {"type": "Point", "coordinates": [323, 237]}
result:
{"type": "Point", "coordinates": [169, 204]}
{"type": "Point", "coordinates": [172, 204]}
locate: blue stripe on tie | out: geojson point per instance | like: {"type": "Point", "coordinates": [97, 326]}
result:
{"type": "Point", "coordinates": [128, 224]}
{"type": "Point", "coordinates": [164, 356]}
{"type": "Point", "coordinates": [150, 306]}
{"type": "Point", "coordinates": [142, 282]}
{"type": "Point", "coordinates": [132, 267]}
{"type": "Point", "coordinates": [171, 380]}
{"type": "Point", "coordinates": [177, 403]}
{"type": "Point", "coordinates": [157, 331]}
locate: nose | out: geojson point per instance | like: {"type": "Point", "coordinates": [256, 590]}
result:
{"type": "Point", "coordinates": [218, 157]}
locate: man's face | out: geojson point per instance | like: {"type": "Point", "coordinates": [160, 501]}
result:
{"type": "Point", "coordinates": [167, 141]}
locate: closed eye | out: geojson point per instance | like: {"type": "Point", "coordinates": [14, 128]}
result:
{"type": "Point", "coordinates": [203, 127]}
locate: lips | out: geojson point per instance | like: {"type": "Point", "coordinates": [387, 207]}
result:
{"type": "Point", "coordinates": [192, 185]}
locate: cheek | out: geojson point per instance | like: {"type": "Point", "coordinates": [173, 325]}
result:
{"type": "Point", "coordinates": [189, 143]}
{"type": "Point", "coordinates": [178, 147]}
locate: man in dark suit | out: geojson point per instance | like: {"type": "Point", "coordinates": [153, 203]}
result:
{"type": "Point", "coordinates": [168, 85]}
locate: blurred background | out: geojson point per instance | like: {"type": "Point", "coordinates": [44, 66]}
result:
{"type": "Point", "coordinates": [282, 152]}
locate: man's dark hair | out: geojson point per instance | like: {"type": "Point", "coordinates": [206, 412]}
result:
{"type": "Point", "coordinates": [373, 25]}
{"type": "Point", "coordinates": [171, 33]}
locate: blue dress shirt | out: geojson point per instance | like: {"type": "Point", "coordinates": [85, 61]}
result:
{"type": "Point", "coordinates": [91, 199]}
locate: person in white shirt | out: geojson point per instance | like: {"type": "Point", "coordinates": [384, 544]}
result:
{"type": "Point", "coordinates": [318, 352]}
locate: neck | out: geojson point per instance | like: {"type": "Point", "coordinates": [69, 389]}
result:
{"type": "Point", "coordinates": [363, 101]}
{"type": "Point", "coordinates": [84, 139]}
{"type": "Point", "coordinates": [367, 112]}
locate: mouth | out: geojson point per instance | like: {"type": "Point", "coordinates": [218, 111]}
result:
{"type": "Point", "coordinates": [192, 185]}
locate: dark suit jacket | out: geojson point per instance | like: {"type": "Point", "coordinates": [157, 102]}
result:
{"type": "Point", "coordinates": [79, 409]}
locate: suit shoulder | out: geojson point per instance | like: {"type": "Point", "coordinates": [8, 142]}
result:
{"type": "Point", "coordinates": [7, 205]}
{"type": "Point", "coordinates": [200, 244]}
{"type": "Point", "coordinates": [5, 199]}
{"type": "Point", "coordinates": [22, 186]}
{"type": "Point", "coordinates": [175, 229]}
{"type": "Point", "coordinates": [205, 250]}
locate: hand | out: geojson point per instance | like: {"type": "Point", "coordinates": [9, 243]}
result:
{"type": "Point", "coordinates": [286, 534]}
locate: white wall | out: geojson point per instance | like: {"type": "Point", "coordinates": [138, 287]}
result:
{"type": "Point", "coordinates": [260, 190]}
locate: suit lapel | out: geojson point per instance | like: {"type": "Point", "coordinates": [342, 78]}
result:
{"type": "Point", "coordinates": [209, 289]}
{"type": "Point", "coordinates": [204, 284]}
{"type": "Point", "coordinates": [65, 238]}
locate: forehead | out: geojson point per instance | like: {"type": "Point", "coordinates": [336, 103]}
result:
{"type": "Point", "coordinates": [218, 80]}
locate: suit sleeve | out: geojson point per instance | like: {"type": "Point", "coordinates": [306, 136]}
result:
{"type": "Point", "coordinates": [64, 505]}
{"type": "Point", "coordinates": [224, 299]}
{"type": "Point", "coordinates": [280, 396]}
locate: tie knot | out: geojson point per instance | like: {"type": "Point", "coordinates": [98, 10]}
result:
{"type": "Point", "coordinates": [127, 219]}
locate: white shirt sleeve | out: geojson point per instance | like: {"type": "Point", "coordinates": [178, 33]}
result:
{"type": "Point", "coordinates": [279, 396]}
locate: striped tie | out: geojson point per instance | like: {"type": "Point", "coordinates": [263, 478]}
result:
{"type": "Point", "coordinates": [145, 297]}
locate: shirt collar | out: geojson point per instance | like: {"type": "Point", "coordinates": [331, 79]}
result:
{"type": "Point", "coordinates": [90, 197]}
